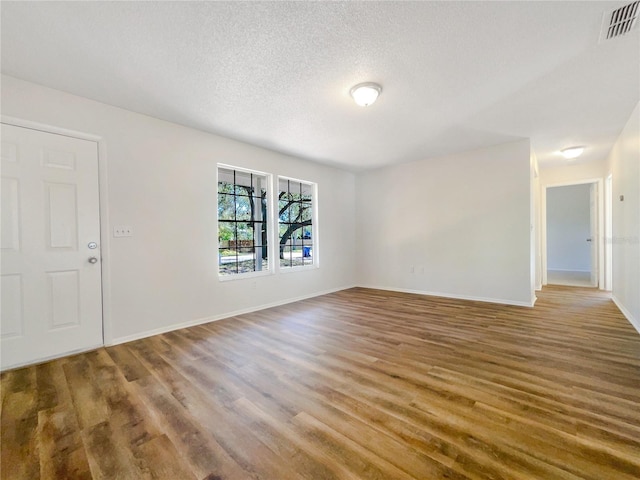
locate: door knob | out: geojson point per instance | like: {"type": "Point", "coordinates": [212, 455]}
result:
{"type": "Point", "coordinates": [93, 260]}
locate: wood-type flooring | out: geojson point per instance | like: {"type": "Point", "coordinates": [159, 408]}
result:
{"type": "Point", "coordinates": [358, 384]}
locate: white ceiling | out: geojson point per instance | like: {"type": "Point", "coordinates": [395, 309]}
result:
{"type": "Point", "coordinates": [455, 75]}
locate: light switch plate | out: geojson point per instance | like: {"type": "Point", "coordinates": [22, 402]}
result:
{"type": "Point", "coordinates": [122, 231]}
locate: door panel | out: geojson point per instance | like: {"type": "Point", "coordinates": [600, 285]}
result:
{"type": "Point", "coordinates": [51, 295]}
{"type": "Point", "coordinates": [12, 319]}
{"type": "Point", "coordinates": [10, 214]}
{"type": "Point", "coordinates": [63, 307]}
{"type": "Point", "coordinates": [61, 216]}
{"type": "Point", "coordinates": [593, 224]}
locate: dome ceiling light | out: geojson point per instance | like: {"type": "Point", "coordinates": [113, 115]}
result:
{"type": "Point", "coordinates": [572, 152]}
{"type": "Point", "coordinates": [364, 94]}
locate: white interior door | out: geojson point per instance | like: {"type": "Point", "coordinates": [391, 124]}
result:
{"type": "Point", "coordinates": [50, 246]}
{"type": "Point", "coordinates": [593, 224]}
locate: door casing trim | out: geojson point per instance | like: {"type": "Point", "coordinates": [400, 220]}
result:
{"type": "Point", "coordinates": [103, 201]}
{"type": "Point", "coordinates": [599, 228]}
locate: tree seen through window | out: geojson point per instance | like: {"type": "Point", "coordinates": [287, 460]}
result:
{"type": "Point", "coordinates": [295, 223]}
{"type": "Point", "coordinates": [242, 221]}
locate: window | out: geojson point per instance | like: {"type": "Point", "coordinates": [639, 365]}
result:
{"type": "Point", "coordinates": [295, 223]}
{"type": "Point", "coordinates": [242, 221]}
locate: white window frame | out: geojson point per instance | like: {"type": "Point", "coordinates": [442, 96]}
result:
{"type": "Point", "coordinates": [270, 227]}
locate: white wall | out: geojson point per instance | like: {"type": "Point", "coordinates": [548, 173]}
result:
{"type": "Point", "coordinates": [462, 222]}
{"type": "Point", "coordinates": [573, 172]}
{"type": "Point", "coordinates": [568, 227]}
{"type": "Point", "coordinates": [625, 168]}
{"type": "Point", "coordinates": [161, 180]}
{"type": "Point", "coordinates": [536, 228]}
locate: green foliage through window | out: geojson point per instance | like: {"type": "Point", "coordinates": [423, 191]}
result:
{"type": "Point", "coordinates": [295, 223]}
{"type": "Point", "coordinates": [242, 221]}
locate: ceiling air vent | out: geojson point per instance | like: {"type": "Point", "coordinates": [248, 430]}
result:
{"type": "Point", "coordinates": [620, 21]}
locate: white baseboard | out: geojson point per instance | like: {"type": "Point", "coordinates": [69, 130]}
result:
{"type": "Point", "coordinates": [455, 296]}
{"type": "Point", "coordinates": [633, 321]}
{"type": "Point", "coordinates": [215, 318]}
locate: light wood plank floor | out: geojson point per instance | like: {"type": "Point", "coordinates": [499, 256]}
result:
{"type": "Point", "coordinates": [569, 278]}
{"type": "Point", "coordinates": [360, 384]}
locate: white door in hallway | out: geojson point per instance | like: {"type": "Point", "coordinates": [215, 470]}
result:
{"type": "Point", "coordinates": [593, 225]}
{"type": "Point", "coordinates": [50, 246]}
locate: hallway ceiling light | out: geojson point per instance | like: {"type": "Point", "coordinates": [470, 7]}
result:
{"type": "Point", "coordinates": [364, 94]}
{"type": "Point", "coordinates": [572, 152]}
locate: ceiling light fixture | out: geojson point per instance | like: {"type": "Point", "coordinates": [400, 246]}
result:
{"type": "Point", "coordinates": [572, 152]}
{"type": "Point", "coordinates": [364, 94]}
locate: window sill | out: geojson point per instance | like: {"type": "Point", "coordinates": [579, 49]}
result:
{"type": "Point", "coordinates": [298, 268]}
{"type": "Point", "coordinates": [244, 276]}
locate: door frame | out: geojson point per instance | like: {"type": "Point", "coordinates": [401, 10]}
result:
{"type": "Point", "coordinates": [599, 227]}
{"type": "Point", "coordinates": [608, 232]}
{"type": "Point", "coordinates": [103, 211]}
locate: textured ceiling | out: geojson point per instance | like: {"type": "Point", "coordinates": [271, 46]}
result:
{"type": "Point", "coordinates": [455, 75]}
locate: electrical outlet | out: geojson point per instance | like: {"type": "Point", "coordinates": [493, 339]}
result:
{"type": "Point", "coordinates": [412, 269]}
{"type": "Point", "coordinates": [123, 231]}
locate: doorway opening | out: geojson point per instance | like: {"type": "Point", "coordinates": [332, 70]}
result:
{"type": "Point", "coordinates": [572, 249]}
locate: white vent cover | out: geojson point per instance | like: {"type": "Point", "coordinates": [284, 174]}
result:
{"type": "Point", "coordinates": [620, 21]}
